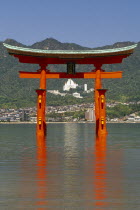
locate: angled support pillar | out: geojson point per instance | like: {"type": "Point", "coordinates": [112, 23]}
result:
{"type": "Point", "coordinates": [102, 130]}
{"type": "Point", "coordinates": [41, 122]}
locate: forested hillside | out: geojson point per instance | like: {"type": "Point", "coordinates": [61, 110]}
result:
{"type": "Point", "coordinates": [15, 92]}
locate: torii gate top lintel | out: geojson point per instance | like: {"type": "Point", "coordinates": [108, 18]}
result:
{"type": "Point", "coordinates": [96, 57]}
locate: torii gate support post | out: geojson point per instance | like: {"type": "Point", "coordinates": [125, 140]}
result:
{"type": "Point", "coordinates": [102, 130]}
{"type": "Point", "coordinates": [41, 122]}
{"type": "Point", "coordinates": [98, 85]}
{"type": "Point", "coordinates": [41, 105]}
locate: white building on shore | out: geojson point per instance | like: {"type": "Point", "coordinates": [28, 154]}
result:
{"type": "Point", "coordinates": [69, 84]}
{"type": "Point", "coordinates": [77, 95]}
{"type": "Point", "coordinates": [85, 87]}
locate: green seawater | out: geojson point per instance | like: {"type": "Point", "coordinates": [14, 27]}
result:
{"type": "Point", "coordinates": [71, 171]}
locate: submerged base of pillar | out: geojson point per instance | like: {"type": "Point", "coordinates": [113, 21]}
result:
{"type": "Point", "coordinates": [41, 140]}
{"type": "Point", "coordinates": [101, 139]}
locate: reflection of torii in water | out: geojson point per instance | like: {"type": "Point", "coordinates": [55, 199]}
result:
{"type": "Point", "coordinates": [41, 172]}
{"type": "Point", "coordinates": [108, 176]}
{"type": "Point", "coordinates": [71, 57]}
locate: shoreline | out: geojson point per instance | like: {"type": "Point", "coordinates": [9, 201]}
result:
{"type": "Point", "coordinates": [67, 122]}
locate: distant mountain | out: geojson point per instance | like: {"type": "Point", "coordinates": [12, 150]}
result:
{"type": "Point", "coordinates": [15, 92]}
{"type": "Point", "coordinates": [14, 43]}
{"type": "Point", "coordinates": [117, 45]}
{"type": "Point", "coordinates": [53, 44]}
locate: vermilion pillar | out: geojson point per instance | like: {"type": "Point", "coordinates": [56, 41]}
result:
{"type": "Point", "coordinates": [41, 104]}
{"type": "Point", "coordinates": [98, 85]}
{"type": "Point", "coordinates": [102, 130]}
{"type": "Point", "coordinates": [41, 122]}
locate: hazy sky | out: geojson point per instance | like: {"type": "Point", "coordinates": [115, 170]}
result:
{"type": "Point", "coordinates": [89, 23]}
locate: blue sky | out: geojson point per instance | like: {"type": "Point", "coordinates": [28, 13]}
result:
{"type": "Point", "coordinates": [89, 23]}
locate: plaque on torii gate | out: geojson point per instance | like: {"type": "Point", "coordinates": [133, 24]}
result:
{"type": "Point", "coordinates": [71, 58]}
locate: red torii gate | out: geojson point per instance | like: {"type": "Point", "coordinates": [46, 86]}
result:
{"type": "Point", "coordinates": [95, 57]}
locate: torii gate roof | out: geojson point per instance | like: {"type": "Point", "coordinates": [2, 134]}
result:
{"type": "Point", "coordinates": [37, 56]}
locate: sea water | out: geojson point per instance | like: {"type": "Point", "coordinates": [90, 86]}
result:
{"type": "Point", "coordinates": [71, 171]}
